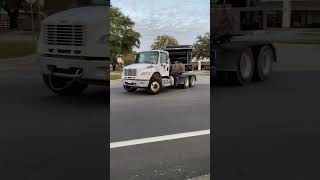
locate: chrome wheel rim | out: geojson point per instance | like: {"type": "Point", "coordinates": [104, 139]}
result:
{"type": "Point", "coordinates": [186, 82]}
{"type": "Point", "coordinates": [245, 66]}
{"type": "Point", "coordinates": [155, 86]}
{"type": "Point", "coordinates": [192, 81]}
{"type": "Point", "coordinates": [266, 63]}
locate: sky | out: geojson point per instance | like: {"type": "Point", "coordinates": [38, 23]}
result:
{"type": "Point", "coordinates": [182, 19]}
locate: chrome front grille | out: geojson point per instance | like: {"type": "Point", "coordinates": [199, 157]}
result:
{"type": "Point", "coordinates": [130, 72]}
{"type": "Point", "coordinates": [68, 35]}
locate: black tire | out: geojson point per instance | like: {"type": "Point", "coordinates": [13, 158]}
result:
{"type": "Point", "coordinates": [192, 81]}
{"type": "Point", "coordinates": [263, 66]}
{"type": "Point", "coordinates": [155, 85]}
{"type": "Point", "coordinates": [186, 83]}
{"type": "Point", "coordinates": [130, 89]}
{"type": "Point", "coordinates": [76, 88]}
{"type": "Point", "coordinates": [245, 69]}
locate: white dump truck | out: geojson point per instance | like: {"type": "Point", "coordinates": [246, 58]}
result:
{"type": "Point", "coordinates": [73, 49]}
{"type": "Point", "coordinates": [153, 70]}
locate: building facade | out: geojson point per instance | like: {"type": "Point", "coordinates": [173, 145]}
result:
{"type": "Point", "coordinates": [269, 14]}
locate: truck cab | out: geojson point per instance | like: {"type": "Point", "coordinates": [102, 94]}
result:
{"type": "Point", "coordinates": [73, 49]}
{"type": "Point", "coordinates": [155, 69]}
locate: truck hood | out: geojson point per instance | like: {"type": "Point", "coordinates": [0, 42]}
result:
{"type": "Point", "coordinates": [82, 15]}
{"type": "Point", "coordinates": [139, 66]}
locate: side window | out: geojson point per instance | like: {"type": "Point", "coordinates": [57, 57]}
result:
{"type": "Point", "coordinates": [163, 59]}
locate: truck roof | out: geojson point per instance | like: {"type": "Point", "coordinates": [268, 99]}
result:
{"type": "Point", "coordinates": [153, 51]}
{"type": "Point", "coordinates": [178, 47]}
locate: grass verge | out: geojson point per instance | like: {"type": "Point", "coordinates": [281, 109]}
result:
{"type": "Point", "coordinates": [115, 76]}
{"type": "Point", "coordinates": [16, 49]}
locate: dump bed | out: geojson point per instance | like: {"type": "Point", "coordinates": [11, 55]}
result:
{"type": "Point", "coordinates": [180, 54]}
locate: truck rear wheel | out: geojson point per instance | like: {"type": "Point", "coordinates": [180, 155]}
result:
{"type": "Point", "coordinates": [263, 67]}
{"type": "Point", "coordinates": [245, 70]}
{"type": "Point", "coordinates": [154, 86]}
{"type": "Point", "coordinates": [192, 81]}
{"type": "Point", "coordinates": [62, 86]}
{"type": "Point", "coordinates": [186, 83]}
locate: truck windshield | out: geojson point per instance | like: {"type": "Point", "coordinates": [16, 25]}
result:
{"type": "Point", "coordinates": [93, 2]}
{"type": "Point", "coordinates": [150, 57]}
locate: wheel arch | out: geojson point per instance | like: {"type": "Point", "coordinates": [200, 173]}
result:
{"type": "Point", "coordinates": [156, 74]}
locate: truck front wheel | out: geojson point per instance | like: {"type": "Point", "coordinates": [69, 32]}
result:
{"type": "Point", "coordinates": [63, 86]}
{"type": "Point", "coordinates": [154, 86]}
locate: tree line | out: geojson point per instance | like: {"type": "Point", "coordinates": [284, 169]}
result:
{"type": "Point", "coordinates": [124, 39]}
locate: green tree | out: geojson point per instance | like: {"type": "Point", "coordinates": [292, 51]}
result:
{"type": "Point", "coordinates": [163, 41]}
{"type": "Point", "coordinates": [123, 37]}
{"type": "Point", "coordinates": [129, 58]}
{"type": "Point", "coordinates": [202, 46]}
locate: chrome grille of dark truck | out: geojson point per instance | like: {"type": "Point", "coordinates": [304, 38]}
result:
{"type": "Point", "coordinates": [68, 35]}
{"type": "Point", "coordinates": [130, 72]}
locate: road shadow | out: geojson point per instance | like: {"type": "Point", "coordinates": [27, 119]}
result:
{"type": "Point", "coordinates": [95, 97]}
{"type": "Point", "coordinates": [163, 92]}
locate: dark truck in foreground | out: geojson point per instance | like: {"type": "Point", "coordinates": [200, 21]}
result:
{"type": "Point", "coordinates": [241, 62]}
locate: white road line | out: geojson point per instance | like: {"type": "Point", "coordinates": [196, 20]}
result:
{"type": "Point", "coordinates": [205, 177]}
{"type": "Point", "coordinates": [158, 139]}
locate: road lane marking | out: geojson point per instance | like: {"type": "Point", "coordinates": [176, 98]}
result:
{"type": "Point", "coordinates": [205, 177]}
{"type": "Point", "coordinates": [158, 139]}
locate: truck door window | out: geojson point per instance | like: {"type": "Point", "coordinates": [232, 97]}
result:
{"type": "Point", "coordinates": [163, 58]}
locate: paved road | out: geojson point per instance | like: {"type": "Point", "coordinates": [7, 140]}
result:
{"type": "Point", "coordinates": [270, 130]}
{"type": "Point", "coordinates": [43, 136]}
{"type": "Point", "coordinates": [138, 115]}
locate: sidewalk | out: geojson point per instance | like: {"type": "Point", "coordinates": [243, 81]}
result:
{"type": "Point", "coordinates": [16, 36]}
{"type": "Point", "coordinates": [16, 63]}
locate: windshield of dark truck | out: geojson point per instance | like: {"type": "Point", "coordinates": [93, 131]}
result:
{"type": "Point", "coordinates": [150, 57]}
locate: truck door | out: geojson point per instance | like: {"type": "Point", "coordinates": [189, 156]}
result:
{"type": "Point", "coordinates": [164, 62]}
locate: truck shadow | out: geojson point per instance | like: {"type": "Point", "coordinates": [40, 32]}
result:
{"type": "Point", "coordinates": [98, 97]}
{"type": "Point", "coordinates": [164, 91]}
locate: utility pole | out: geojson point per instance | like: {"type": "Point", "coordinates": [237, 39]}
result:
{"type": "Point", "coordinates": [31, 2]}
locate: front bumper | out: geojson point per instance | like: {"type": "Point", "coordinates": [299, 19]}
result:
{"type": "Point", "coordinates": [95, 70]}
{"type": "Point", "coordinates": [135, 83]}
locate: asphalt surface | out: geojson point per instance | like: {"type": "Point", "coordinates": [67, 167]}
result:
{"type": "Point", "coordinates": [270, 130]}
{"type": "Point", "coordinates": [44, 136]}
{"type": "Point", "coordinates": [266, 130]}
{"type": "Point", "coordinates": [139, 115]}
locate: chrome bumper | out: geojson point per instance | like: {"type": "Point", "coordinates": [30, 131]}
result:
{"type": "Point", "coordinates": [135, 83]}
{"type": "Point", "coordinates": [91, 70]}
